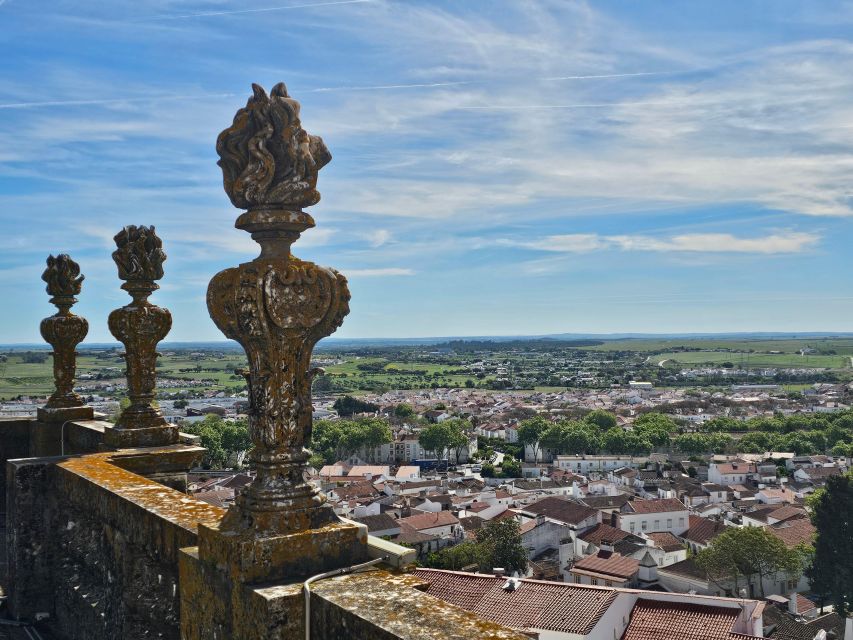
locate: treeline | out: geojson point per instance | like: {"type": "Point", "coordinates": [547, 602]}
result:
{"type": "Point", "coordinates": [333, 440]}
{"type": "Point", "coordinates": [597, 432]}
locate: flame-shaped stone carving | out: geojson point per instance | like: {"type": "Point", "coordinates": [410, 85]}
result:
{"type": "Point", "coordinates": [277, 306]}
{"type": "Point", "coordinates": [140, 326]}
{"type": "Point", "coordinates": [64, 331]}
{"type": "Point", "coordinates": [267, 158]}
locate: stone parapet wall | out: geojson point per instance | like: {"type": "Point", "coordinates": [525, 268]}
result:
{"type": "Point", "coordinates": [95, 546]}
{"type": "Point", "coordinates": [14, 443]}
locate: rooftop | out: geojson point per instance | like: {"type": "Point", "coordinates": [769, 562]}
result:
{"type": "Point", "coordinates": [535, 604]}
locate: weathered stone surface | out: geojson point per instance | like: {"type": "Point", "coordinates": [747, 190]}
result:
{"type": "Point", "coordinates": [140, 325]}
{"type": "Point", "coordinates": [248, 558]}
{"type": "Point", "coordinates": [64, 331]}
{"type": "Point", "coordinates": [99, 544]}
{"type": "Point", "coordinates": [376, 605]}
{"type": "Point", "coordinates": [277, 307]}
{"type": "Point", "coordinates": [14, 443]}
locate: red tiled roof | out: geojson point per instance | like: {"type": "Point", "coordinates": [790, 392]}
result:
{"type": "Point", "coordinates": [609, 563]}
{"type": "Point", "coordinates": [657, 506]}
{"type": "Point", "coordinates": [666, 541]}
{"type": "Point", "coordinates": [604, 533]}
{"type": "Point", "coordinates": [561, 509]}
{"type": "Point", "coordinates": [787, 512]}
{"type": "Point", "coordinates": [554, 606]}
{"type": "Point", "coordinates": [702, 529]}
{"type": "Point", "coordinates": [656, 620]}
{"type": "Point", "coordinates": [804, 604]}
{"type": "Point", "coordinates": [794, 531]}
{"type": "Point", "coordinates": [430, 520]}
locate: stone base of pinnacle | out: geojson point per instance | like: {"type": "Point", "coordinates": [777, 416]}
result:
{"type": "Point", "coordinates": [145, 437]}
{"type": "Point", "coordinates": [250, 557]}
{"type": "Point", "coordinates": [64, 414]}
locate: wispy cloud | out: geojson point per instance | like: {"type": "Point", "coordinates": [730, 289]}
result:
{"type": "Point", "coordinates": [208, 14]}
{"type": "Point", "coordinates": [377, 273]}
{"type": "Point", "coordinates": [789, 242]}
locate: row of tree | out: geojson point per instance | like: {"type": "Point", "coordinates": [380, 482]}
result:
{"type": "Point", "coordinates": [597, 432]}
{"type": "Point", "coordinates": [333, 440]}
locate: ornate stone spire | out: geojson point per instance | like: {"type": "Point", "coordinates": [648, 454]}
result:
{"type": "Point", "coordinates": [64, 331]}
{"type": "Point", "coordinates": [140, 326]}
{"type": "Point", "coordinates": [277, 306]}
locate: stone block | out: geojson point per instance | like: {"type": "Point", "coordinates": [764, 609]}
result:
{"type": "Point", "coordinates": [64, 414]}
{"type": "Point", "coordinates": [144, 437]}
{"type": "Point", "coordinates": [250, 557]}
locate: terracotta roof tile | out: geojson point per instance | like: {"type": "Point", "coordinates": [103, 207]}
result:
{"type": "Point", "coordinates": [604, 533]}
{"type": "Point", "coordinates": [561, 509]}
{"type": "Point", "coordinates": [609, 563]}
{"type": "Point", "coordinates": [665, 505]}
{"type": "Point", "coordinates": [702, 530]}
{"type": "Point", "coordinates": [794, 531]}
{"type": "Point", "coordinates": [666, 541]}
{"type": "Point", "coordinates": [430, 520]}
{"type": "Point", "coordinates": [553, 606]}
{"type": "Point", "coordinates": [656, 620]}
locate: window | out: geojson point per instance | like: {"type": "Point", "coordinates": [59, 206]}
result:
{"type": "Point", "coordinates": [644, 525]}
{"type": "Point", "coordinates": [657, 525]}
{"type": "Point", "coordinates": [595, 582]}
{"type": "Point", "coordinates": [681, 522]}
{"type": "Point", "coordinates": [669, 523]}
{"type": "Point", "coordinates": [577, 579]}
{"type": "Point", "coordinates": [632, 527]}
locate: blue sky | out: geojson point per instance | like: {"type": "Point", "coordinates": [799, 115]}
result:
{"type": "Point", "coordinates": [500, 166]}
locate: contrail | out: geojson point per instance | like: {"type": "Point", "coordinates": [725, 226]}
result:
{"type": "Point", "coordinates": [207, 14]}
{"type": "Point", "coordinates": [614, 75]}
{"type": "Point", "coordinates": [75, 103]}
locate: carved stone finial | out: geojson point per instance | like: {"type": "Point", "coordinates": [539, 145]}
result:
{"type": "Point", "coordinates": [140, 326]}
{"type": "Point", "coordinates": [139, 255]}
{"type": "Point", "coordinates": [62, 276]}
{"type": "Point", "coordinates": [64, 331]}
{"type": "Point", "coordinates": [268, 160]}
{"type": "Point", "coordinates": [277, 307]}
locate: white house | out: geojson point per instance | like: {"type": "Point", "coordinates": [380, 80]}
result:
{"type": "Point", "coordinates": [646, 516]}
{"type": "Point", "coordinates": [728, 473]}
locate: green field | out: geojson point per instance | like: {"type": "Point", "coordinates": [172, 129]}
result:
{"type": "Point", "coordinates": [842, 346]}
{"type": "Point", "coordinates": [751, 360]}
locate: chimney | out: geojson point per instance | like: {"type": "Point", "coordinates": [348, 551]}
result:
{"type": "Point", "coordinates": [792, 604]}
{"type": "Point", "coordinates": [499, 571]}
{"type": "Point", "coordinates": [848, 628]}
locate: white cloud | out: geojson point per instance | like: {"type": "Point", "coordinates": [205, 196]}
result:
{"type": "Point", "coordinates": [783, 242]}
{"type": "Point", "coordinates": [377, 273]}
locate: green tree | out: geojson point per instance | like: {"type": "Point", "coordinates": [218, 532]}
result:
{"type": "Point", "coordinates": [604, 420]}
{"type": "Point", "coordinates": [459, 431]}
{"type": "Point", "coordinates": [436, 438]}
{"type": "Point", "coordinates": [748, 554]}
{"type": "Point", "coordinates": [347, 406]}
{"type": "Point", "coordinates": [831, 572]}
{"type": "Point", "coordinates": [403, 411]}
{"type": "Point", "coordinates": [530, 433]}
{"type": "Point", "coordinates": [236, 441]}
{"type": "Point", "coordinates": [501, 540]}
{"type": "Point", "coordinates": [510, 468]}
{"type": "Point", "coordinates": [210, 429]}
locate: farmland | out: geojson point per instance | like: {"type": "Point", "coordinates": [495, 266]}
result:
{"type": "Point", "coordinates": [522, 364]}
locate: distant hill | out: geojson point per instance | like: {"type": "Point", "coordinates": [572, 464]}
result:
{"type": "Point", "coordinates": [570, 339]}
